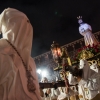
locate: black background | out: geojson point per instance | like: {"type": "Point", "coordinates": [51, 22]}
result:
{"type": "Point", "coordinates": [56, 19]}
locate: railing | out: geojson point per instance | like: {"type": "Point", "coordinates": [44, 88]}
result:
{"type": "Point", "coordinates": [46, 59]}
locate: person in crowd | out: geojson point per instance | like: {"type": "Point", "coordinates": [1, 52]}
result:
{"type": "Point", "coordinates": [67, 92]}
{"type": "Point", "coordinates": [50, 93]}
{"type": "Point", "coordinates": [88, 81]}
{"type": "Point", "coordinates": [54, 92]}
{"type": "Point", "coordinates": [46, 91]}
{"type": "Point", "coordinates": [18, 78]}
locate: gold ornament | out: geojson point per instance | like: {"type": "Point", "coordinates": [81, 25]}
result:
{"type": "Point", "coordinates": [86, 54]}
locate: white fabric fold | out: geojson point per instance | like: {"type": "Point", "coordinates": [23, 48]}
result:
{"type": "Point", "coordinates": [86, 31]}
{"type": "Point", "coordinates": [17, 29]}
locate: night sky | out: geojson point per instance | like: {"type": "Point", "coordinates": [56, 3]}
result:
{"type": "Point", "coordinates": [56, 19]}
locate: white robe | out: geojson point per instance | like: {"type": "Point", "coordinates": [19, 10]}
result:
{"type": "Point", "coordinates": [89, 85]}
{"type": "Point", "coordinates": [90, 81]}
{"type": "Point", "coordinates": [16, 28]}
{"type": "Point", "coordinates": [86, 31]}
{"type": "Point", "coordinates": [63, 95]}
{"type": "Point", "coordinates": [86, 68]}
{"type": "Point", "coordinates": [48, 97]}
{"type": "Point", "coordinates": [53, 95]}
{"type": "Point", "coordinates": [95, 68]}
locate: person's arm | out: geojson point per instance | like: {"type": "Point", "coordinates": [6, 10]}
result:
{"type": "Point", "coordinates": [89, 27]}
{"type": "Point", "coordinates": [80, 31]}
{"type": "Point", "coordinates": [92, 84]}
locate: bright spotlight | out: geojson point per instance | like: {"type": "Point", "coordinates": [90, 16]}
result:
{"type": "Point", "coordinates": [44, 73]}
{"type": "Point", "coordinates": [39, 71]}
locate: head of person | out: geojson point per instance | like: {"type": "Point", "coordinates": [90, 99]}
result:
{"type": "Point", "coordinates": [44, 80]}
{"type": "Point", "coordinates": [18, 32]}
{"type": "Point", "coordinates": [80, 21]}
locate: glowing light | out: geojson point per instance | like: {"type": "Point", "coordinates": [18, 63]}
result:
{"type": "Point", "coordinates": [44, 73]}
{"type": "Point", "coordinates": [39, 71]}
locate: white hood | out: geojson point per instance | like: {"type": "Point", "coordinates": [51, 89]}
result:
{"type": "Point", "coordinates": [14, 28]}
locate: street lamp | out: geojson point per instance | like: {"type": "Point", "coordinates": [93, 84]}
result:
{"type": "Point", "coordinates": [56, 52]}
{"type": "Point", "coordinates": [60, 55]}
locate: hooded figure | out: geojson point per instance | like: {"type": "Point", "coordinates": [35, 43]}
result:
{"type": "Point", "coordinates": [18, 79]}
{"type": "Point", "coordinates": [89, 81]}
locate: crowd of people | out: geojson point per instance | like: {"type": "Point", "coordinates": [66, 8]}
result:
{"type": "Point", "coordinates": [87, 81]}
